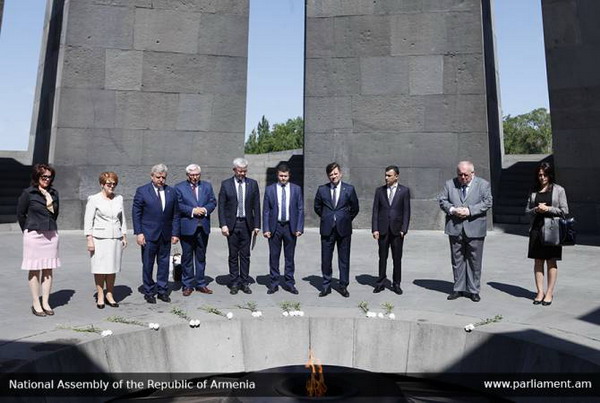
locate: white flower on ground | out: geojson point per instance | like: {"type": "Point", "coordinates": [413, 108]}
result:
{"type": "Point", "coordinates": [151, 325]}
{"type": "Point", "coordinates": [371, 314]}
{"type": "Point", "coordinates": [286, 313]}
{"type": "Point", "coordinates": [258, 314]}
{"type": "Point", "coordinates": [193, 323]}
{"type": "Point", "coordinates": [106, 333]}
{"type": "Point", "coordinates": [469, 327]}
{"type": "Point", "coordinates": [392, 316]}
{"type": "Point", "coordinates": [229, 315]}
{"type": "Point", "coordinates": [294, 313]}
{"type": "Point", "coordinates": [300, 313]}
{"type": "Point", "coordinates": [380, 315]}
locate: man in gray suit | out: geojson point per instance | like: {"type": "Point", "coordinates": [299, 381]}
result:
{"type": "Point", "coordinates": [466, 200]}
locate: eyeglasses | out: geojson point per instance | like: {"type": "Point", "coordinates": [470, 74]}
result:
{"type": "Point", "coordinates": [465, 175]}
{"type": "Point", "coordinates": [46, 177]}
{"type": "Point", "coordinates": [111, 184]}
{"type": "Point", "coordinates": [193, 175]}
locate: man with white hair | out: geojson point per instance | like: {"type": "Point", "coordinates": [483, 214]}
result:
{"type": "Point", "coordinates": [466, 200]}
{"type": "Point", "coordinates": [156, 225]}
{"type": "Point", "coordinates": [196, 201]}
{"type": "Point", "coordinates": [239, 219]}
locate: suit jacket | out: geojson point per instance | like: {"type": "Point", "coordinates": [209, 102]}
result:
{"type": "Point", "coordinates": [186, 201]}
{"type": "Point", "coordinates": [342, 214]}
{"type": "Point", "coordinates": [394, 217]}
{"type": "Point", "coordinates": [559, 203]}
{"type": "Point", "coordinates": [32, 213]}
{"type": "Point", "coordinates": [228, 204]}
{"type": "Point", "coordinates": [478, 200]}
{"type": "Point", "coordinates": [104, 218]}
{"type": "Point", "coordinates": [271, 208]}
{"type": "Point", "coordinates": [148, 216]}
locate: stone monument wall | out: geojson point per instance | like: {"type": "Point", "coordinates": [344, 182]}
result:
{"type": "Point", "coordinates": [141, 82]}
{"type": "Point", "coordinates": [572, 40]}
{"type": "Point", "coordinates": [395, 82]}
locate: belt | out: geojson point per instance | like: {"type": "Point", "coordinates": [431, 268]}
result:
{"type": "Point", "coordinates": [241, 218]}
{"type": "Point", "coordinates": [283, 222]}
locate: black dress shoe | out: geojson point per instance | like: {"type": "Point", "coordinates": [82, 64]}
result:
{"type": "Point", "coordinates": [397, 289]}
{"type": "Point", "coordinates": [112, 304]}
{"type": "Point", "coordinates": [475, 297]}
{"type": "Point", "coordinates": [537, 301]}
{"type": "Point", "coordinates": [344, 292]}
{"type": "Point", "coordinates": [150, 299]}
{"type": "Point", "coordinates": [246, 289]}
{"type": "Point", "coordinates": [325, 292]}
{"type": "Point", "coordinates": [233, 290]}
{"type": "Point", "coordinates": [378, 289]}
{"type": "Point", "coordinates": [164, 298]}
{"type": "Point", "coordinates": [272, 290]}
{"type": "Point", "coordinates": [36, 313]}
{"type": "Point", "coordinates": [454, 295]}
{"type": "Point", "coordinates": [100, 306]}
{"type": "Point", "coordinates": [546, 303]}
{"type": "Point", "coordinates": [293, 290]}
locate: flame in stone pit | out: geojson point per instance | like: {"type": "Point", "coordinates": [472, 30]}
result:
{"type": "Point", "coordinates": [315, 385]}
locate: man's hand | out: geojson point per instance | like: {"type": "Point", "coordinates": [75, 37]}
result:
{"type": "Point", "coordinates": [298, 234]}
{"type": "Point", "coordinates": [376, 235]}
{"type": "Point", "coordinates": [174, 240]}
{"type": "Point", "coordinates": [267, 234]}
{"type": "Point", "coordinates": [140, 239]}
{"type": "Point", "coordinates": [225, 230]}
{"type": "Point", "coordinates": [199, 211]}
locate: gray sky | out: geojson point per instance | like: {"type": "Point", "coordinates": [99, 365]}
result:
{"type": "Point", "coordinates": [275, 62]}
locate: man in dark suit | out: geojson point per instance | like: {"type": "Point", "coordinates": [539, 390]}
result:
{"type": "Point", "coordinates": [239, 219]}
{"type": "Point", "coordinates": [283, 222]}
{"type": "Point", "coordinates": [196, 201]}
{"type": "Point", "coordinates": [337, 205]}
{"type": "Point", "coordinates": [156, 225]}
{"type": "Point", "coordinates": [466, 200]}
{"type": "Point", "coordinates": [389, 225]}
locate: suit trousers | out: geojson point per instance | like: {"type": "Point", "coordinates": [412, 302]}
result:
{"type": "Point", "coordinates": [156, 251]}
{"type": "Point", "coordinates": [328, 243]}
{"type": "Point", "coordinates": [238, 243]}
{"type": "Point", "coordinates": [467, 255]}
{"type": "Point", "coordinates": [193, 259]}
{"type": "Point", "coordinates": [282, 235]}
{"type": "Point", "coordinates": [395, 243]}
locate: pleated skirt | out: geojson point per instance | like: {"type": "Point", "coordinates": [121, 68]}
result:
{"type": "Point", "coordinates": [106, 258]}
{"type": "Point", "coordinates": [40, 250]}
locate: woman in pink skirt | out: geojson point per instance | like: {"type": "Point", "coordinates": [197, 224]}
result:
{"type": "Point", "coordinates": [37, 211]}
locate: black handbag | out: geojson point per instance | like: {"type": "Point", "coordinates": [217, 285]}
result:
{"type": "Point", "coordinates": [559, 231]}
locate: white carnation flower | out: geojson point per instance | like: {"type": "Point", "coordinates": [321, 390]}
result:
{"type": "Point", "coordinates": [106, 333]}
{"type": "Point", "coordinates": [469, 327]}
{"type": "Point", "coordinates": [300, 313]}
{"type": "Point", "coordinates": [192, 323]}
{"type": "Point", "coordinates": [229, 315]}
{"type": "Point", "coordinates": [258, 314]}
{"type": "Point", "coordinates": [286, 313]}
{"type": "Point", "coordinates": [151, 325]}
{"type": "Point", "coordinates": [380, 315]}
{"type": "Point", "coordinates": [392, 316]}
{"type": "Point", "coordinates": [371, 314]}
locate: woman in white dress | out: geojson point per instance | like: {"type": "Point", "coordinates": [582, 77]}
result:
{"type": "Point", "coordinates": [105, 228]}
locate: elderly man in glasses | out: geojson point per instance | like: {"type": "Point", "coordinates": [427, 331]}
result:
{"type": "Point", "coordinates": [466, 200]}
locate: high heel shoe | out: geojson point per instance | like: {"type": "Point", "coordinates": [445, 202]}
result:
{"type": "Point", "coordinates": [112, 304]}
{"type": "Point", "coordinates": [546, 303]}
{"type": "Point", "coordinates": [100, 306]}
{"type": "Point", "coordinates": [36, 313]}
{"type": "Point", "coordinates": [48, 312]}
{"type": "Point", "coordinates": [538, 301]}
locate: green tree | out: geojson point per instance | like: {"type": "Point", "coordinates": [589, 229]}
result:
{"type": "Point", "coordinates": [529, 133]}
{"type": "Point", "coordinates": [283, 136]}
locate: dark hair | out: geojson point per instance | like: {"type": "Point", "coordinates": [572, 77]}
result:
{"type": "Point", "coordinates": [548, 171]}
{"type": "Point", "coordinates": [38, 171]}
{"type": "Point", "coordinates": [393, 168]}
{"type": "Point", "coordinates": [332, 166]}
{"type": "Point", "coordinates": [105, 176]}
{"type": "Point", "coordinates": [283, 167]}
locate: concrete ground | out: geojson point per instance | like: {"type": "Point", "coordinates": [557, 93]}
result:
{"type": "Point", "coordinates": [507, 287]}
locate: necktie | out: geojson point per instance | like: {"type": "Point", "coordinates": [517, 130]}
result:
{"type": "Point", "coordinates": [240, 196]}
{"type": "Point", "coordinates": [160, 200]}
{"type": "Point", "coordinates": [391, 196]}
{"type": "Point", "coordinates": [334, 198]}
{"type": "Point", "coordinates": [464, 191]}
{"type": "Point", "coordinates": [283, 204]}
{"type": "Point", "coordinates": [195, 191]}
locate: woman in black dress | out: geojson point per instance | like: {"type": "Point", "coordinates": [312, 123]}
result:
{"type": "Point", "coordinates": [546, 200]}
